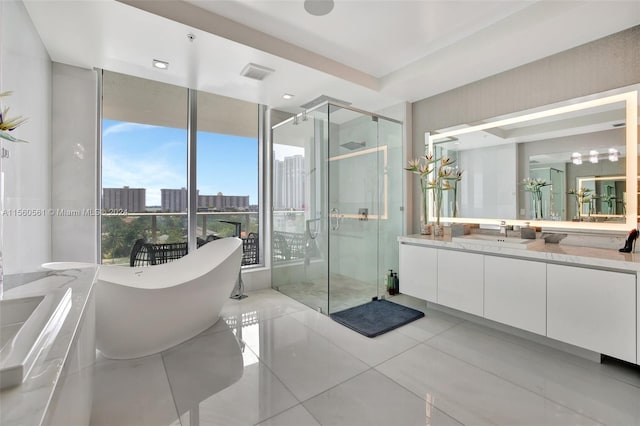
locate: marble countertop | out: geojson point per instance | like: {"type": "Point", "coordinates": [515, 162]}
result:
{"type": "Point", "coordinates": [27, 404]}
{"type": "Point", "coordinates": [557, 253]}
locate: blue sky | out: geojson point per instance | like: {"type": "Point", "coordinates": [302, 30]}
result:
{"type": "Point", "coordinates": [153, 157]}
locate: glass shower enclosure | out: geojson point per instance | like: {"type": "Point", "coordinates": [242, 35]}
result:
{"type": "Point", "coordinates": [337, 206]}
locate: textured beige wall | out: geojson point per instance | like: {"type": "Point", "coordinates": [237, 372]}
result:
{"type": "Point", "coordinates": [604, 64]}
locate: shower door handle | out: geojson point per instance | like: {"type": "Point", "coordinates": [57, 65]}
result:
{"type": "Point", "coordinates": [334, 219]}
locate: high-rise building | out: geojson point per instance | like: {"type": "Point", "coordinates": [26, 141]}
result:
{"type": "Point", "coordinates": [174, 200]}
{"type": "Point", "coordinates": [129, 199]}
{"type": "Point", "coordinates": [223, 202]}
{"type": "Point", "coordinates": [289, 183]}
{"type": "Point", "coordinates": [278, 185]}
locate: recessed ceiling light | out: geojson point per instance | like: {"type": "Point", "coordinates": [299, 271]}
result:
{"type": "Point", "coordinates": [160, 64]}
{"type": "Point", "coordinates": [287, 96]}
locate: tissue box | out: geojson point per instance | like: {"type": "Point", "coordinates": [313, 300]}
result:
{"type": "Point", "coordinates": [528, 233]}
{"type": "Point", "coordinates": [458, 229]}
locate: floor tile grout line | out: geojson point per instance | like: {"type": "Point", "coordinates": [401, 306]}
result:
{"type": "Point", "coordinates": [415, 341]}
{"type": "Point", "coordinates": [414, 393]}
{"type": "Point", "coordinates": [264, 364]}
{"type": "Point", "coordinates": [540, 348]}
{"type": "Point", "coordinates": [284, 385]}
{"type": "Point", "coordinates": [513, 383]}
{"type": "Point", "coordinates": [173, 398]}
{"type": "Point", "coordinates": [290, 408]}
{"type": "Point", "coordinates": [418, 342]}
{"type": "Point", "coordinates": [406, 388]}
{"type": "Point", "coordinates": [301, 402]}
{"type": "Point", "coordinates": [425, 342]}
{"type": "Point", "coordinates": [332, 344]}
{"type": "Point", "coordinates": [374, 367]}
{"type": "Point", "coordinates": [273, 317]}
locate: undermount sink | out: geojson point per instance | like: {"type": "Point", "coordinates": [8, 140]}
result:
{"type": "Point", "coordinates": [28, 325]}
{"type": "Point", "coordinates": [498, 241]}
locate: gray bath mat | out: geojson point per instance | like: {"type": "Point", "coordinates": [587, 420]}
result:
{"type": "Point", "coordinates": [376, 317]}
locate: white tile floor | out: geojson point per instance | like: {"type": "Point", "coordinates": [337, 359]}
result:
{"type": "Point", "coordinates": [294, 366]}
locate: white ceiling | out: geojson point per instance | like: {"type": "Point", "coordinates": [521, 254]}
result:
{"type": "Point", "coordinates": [372, 53]}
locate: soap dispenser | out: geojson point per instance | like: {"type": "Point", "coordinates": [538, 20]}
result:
{"type": "Point", "coordinates": [390, 282]}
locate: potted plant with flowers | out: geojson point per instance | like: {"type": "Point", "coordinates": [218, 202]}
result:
{"type": "Point", "coordinates": [6, 125]}
{"type": "Point", "coordinates": [423, 167]}
{"type": "Point", "coordinates": [9, 124]}
{"type": "Point", "coordinates": [582, 196]}
{"type": "Point", "coordinates": [435, 175]}
{"type": "Point", "coordinates": [534, 186]}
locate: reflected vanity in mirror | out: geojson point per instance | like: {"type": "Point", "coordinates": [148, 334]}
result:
{"type": "Point", "coordinates": [567, 165]}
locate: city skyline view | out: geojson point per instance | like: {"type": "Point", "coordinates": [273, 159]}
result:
{"type": "Point", "coordinates": [154, 157]}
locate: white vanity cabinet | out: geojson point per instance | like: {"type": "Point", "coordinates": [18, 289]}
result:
{"type": "Point", "coordinates": [419, 272]}
{"type": "Point", "coordinates": [560, 296]}
{"type": "Point", "coordinates": [461, 281]}
{"type": "Point", "coordinates": [592, 309]}
{"type": "Point", "coordinates": [515, 293]}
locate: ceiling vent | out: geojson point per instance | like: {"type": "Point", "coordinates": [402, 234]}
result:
{"type": "Point", "coordinates": [256, 72]}
{"type": "Point", "coordinates": [324, 98]}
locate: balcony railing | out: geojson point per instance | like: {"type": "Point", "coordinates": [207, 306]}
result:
{"type": "Point", "coordinates": [119, 232]}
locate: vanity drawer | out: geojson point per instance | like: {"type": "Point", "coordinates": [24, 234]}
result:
{"type": "Point", "coordinates": [515, 293]}
{"type": "Point", "coordinates": [461, 281]}
{"type": "Point", "coordinates": [419, 272]}
{"type": "Point", "coordinates": [592, 309]}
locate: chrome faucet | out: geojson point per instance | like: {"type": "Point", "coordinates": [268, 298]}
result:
{"type": "Point", "coordinates": [503, 227]}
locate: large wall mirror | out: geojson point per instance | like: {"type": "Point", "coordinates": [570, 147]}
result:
{"type": "Point", "coordinates": [569, 165]}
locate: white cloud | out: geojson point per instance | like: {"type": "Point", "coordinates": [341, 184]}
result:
{"type": "Point", "coordinates": [125, 127]}
{"type": "Point", "coordinates": [152, 174]}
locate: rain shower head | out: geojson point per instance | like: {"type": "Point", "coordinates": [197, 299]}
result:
{"type": "Point", "coordinates": [352, 146]}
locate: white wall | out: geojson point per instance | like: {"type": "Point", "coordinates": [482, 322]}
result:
{"type": "Point", "coordinates": [25, 69]}
{"type": "Point", "coordinates": [73, 157]}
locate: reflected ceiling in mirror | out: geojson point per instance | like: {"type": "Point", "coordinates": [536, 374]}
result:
{"type": "Point", "coordinates": [593, 136]}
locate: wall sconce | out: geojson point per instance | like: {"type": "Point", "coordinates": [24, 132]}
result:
{"type": "Point", "coordinates": [576, 158]}
{"type": "Point", "coordinates": [593, 156]}
{"type": "Point", "coordinates": [613, 154]}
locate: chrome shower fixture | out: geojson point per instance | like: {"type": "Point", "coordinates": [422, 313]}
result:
{"type": "Point", "coordinates": [352, 145]}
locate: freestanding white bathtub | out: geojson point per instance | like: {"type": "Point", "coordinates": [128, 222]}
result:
{"type": "Point", "coordinates": [143, 311]}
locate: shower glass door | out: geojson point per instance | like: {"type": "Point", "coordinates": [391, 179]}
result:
{"type": "Point", "coordinates": [355, 164]}
{"type": "Point", "coordinates": [299, 240]}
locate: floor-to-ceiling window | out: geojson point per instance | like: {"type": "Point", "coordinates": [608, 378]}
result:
{"type": "Point", "coordinates": [145, 172]}
{"type": "Point", "coordinates": [227, 170]}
